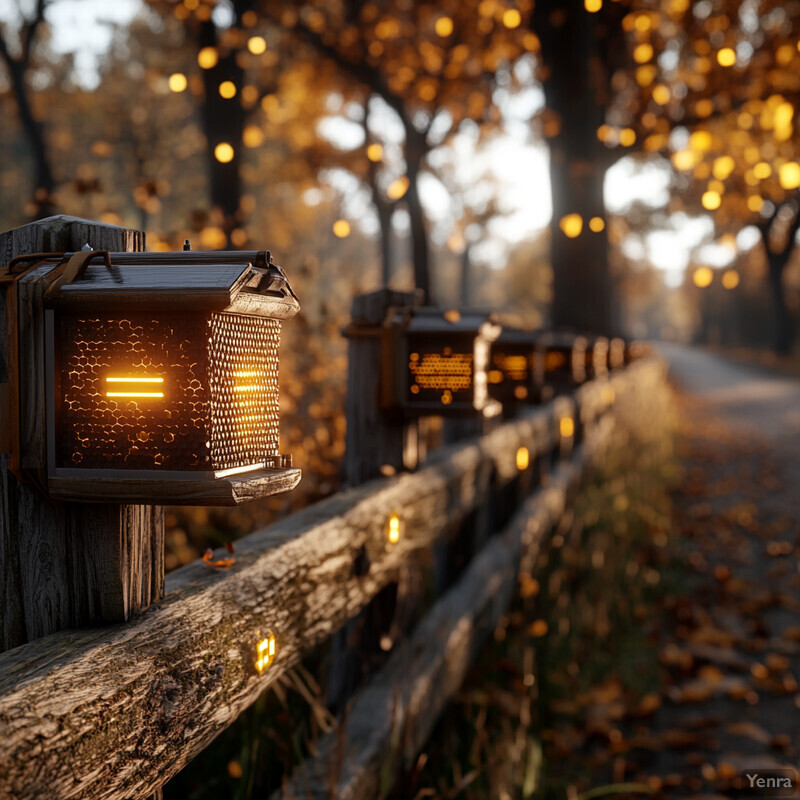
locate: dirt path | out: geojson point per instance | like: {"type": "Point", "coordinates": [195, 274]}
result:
{"type": "Point", "coordinates": [731, 639]}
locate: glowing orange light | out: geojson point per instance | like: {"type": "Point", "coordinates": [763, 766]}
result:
{"type": "Point", "coordinates": [341, 228]}
{"type": "Point", "coordinates": [452, 315]}
{"type": "Point", "coordinates": [512, 18]}
{"type": "Point", "coordinates": [177, 82]}
{"type": "Point", "coordinates": [256, 45]}
{"type": "Point", "coordinates": [398, 188]}
{"type": "Point", "coordinates": [730, 280]}
{"type": "Point", "coordinates": [661, 94]}
{"type": "Point", "coordinates": [132, 389]}
{"type": "Point", "coordinates": [393, 529]}
{"type": "Point", "coordinates": [208, 57]}
{"type": "Point", "coordinates": [726, 57]}
{"type": "Point", "coordinates": [443, 26]}
{"type": "Point", "coordinates": [523, 458]}
{"type": "Point", "coordinates": [227, 89]}
{"type": "Point", "coordinates": [711, 200]}
{"type": "Point", "coordinates": [789, 175]}
{"type": "Point", "coordinates": [702, 277]}
{"type": "Point", "coordinates": [596, 224]}
{"type": "Point", "coordinates": [567, 427]}
{"type": "Point", "coordinates": [375, 152]}
{"type": "Point", "coordinates": [224, 153]}
{"type": "Point", "coordinates": [571, 225]}
{"type": "Point", "coordinates": [265, 650]}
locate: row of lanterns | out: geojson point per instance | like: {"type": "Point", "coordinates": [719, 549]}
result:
{"type": "Point", "coordinates": [156, 377]}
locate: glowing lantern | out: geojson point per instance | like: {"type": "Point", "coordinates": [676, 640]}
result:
{"type": "Point", "coordinates": [514, 376]}
{"type": "Point", "coordinates": [160, 382]}
{"type": "Point", "coordinates": [436, 363]}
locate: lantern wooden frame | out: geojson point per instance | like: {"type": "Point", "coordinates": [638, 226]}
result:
{"type": "Point", "coordinates": [435, 363]}
{"type": "Point", "coordinates": [516, 371]}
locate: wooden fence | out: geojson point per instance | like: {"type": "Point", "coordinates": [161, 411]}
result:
{"type": "Point", "coordinates": [115, 712]}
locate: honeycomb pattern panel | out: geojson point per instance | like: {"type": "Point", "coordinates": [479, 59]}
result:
{"type": "Point", "coordinates": [443, 376]}
{"type": "Point", "coordinates": [133, 392]}
{"type": "Point", "coordinates": [243, 383]}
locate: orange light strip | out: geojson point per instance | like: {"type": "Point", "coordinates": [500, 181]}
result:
{"type": "Point", "coordinates": [134, 381]}
{"type": "Point", "coordinates": [134, 394]}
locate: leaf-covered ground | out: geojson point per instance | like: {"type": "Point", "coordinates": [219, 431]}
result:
{"type": "Point", "coordinates": [658, 649]}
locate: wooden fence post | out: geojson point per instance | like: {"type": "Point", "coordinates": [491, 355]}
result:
{"type": "Point", "coordinates": [375, 445]}
{"type": "Point", "coordinates": [65, 565]}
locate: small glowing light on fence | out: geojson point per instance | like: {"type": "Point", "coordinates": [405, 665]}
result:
{"type": "Point", "coordinates": [512, 18]}
{"type": "Point", "coordinates": [711, 200]}
{"type": "Point", "coordinates": [592, 6]}
{"type": "Point", "coordinates": [375, 152]}
{"type": "Point", "coordinates": [596, 224]}
{"type": "Point", "coordinates": [730, 280]}
{"type": "Point", "coordinates": [265, 650]}
{"type": "Point", "coordinates": [257, 45]}
{"type": "Point", "coordinates": [627, 137]}
{"type": "Point", "coordinates": [661, 94]}
{"type": "Point", "coordinates": [393, 529]}
{"type": "Point", "coordinates": [567, 427]}
{"type": "Point", "coordinates": [523, 458]}
{"type": "Point", "coordinates": [453, 315]}
{"type": "Point", "coordinates": [702, 277]}
{"type": "Point", "coordinates": [177, 82]}
{"type": "Point", "coordinates": [520, 392]}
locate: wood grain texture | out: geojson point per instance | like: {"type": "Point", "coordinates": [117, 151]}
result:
{"type": "Point", "coordinates": [393, 716]}
{"type": "Point", "coordinates": [65, 564]}
{"type": "Point", "coordinates": [116, 712]}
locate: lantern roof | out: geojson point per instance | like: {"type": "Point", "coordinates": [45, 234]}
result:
{"type": "Point", "coordinates": [245, 282]}
{"type": "Point", "coordinates": [434, 321]}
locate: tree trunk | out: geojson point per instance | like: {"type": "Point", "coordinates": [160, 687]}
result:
{"type": "Point", "coordinates": [466, 277]}
{"type": "Point", "coordinates": [416, 149]}
{"type": "Point", "coordinates": [223, 121]}
{"type": "Point", "coordinates": [784, 324]}
{"type": "Point", "coordinates": [574, 91]}
{"type": "Point", "coordinates": [44, 181]}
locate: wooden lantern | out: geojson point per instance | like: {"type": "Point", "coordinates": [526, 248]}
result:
{"type": "Point", "coordinates": [159, 379]}
{"type": "Point", "coordinates": [515, 373]}
{"type": "Point", "coordinates": [435, 363]}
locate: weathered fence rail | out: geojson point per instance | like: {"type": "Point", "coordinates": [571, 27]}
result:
{"type": "Point", "coordinates": [115, 712]}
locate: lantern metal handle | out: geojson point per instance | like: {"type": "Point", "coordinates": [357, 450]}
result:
{"type": "Point", "coordinates": [11, 269]}
{"type": "Point", "coordinates": [75, 267]}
